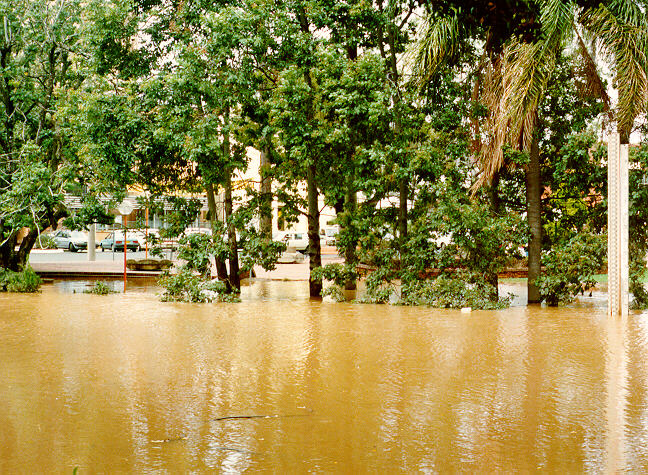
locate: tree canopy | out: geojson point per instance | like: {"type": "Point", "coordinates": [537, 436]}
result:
{"type": "Point", "coordinates": [446, 135]}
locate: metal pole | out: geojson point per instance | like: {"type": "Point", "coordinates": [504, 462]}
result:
{"type": "Point", "coordinates": [146, 217]}
{"type": "Point", "coordinates": [617, 226]}
{"type": "Point", "coordinates": [124, 257]}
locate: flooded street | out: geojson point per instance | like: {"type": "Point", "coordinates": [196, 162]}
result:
{"type": "Point", "coordinates": [124, 383]}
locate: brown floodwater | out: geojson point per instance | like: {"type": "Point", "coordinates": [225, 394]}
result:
{"type": "Point", "coordinates": [280, 384]}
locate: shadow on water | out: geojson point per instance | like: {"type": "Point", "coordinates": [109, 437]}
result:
{"type": "Point", "coordinates": [279, 383]}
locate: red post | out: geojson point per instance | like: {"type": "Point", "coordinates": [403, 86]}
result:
{"type": "Point", "coordinates": [146, 234]}
{"type": "Point", "coordinates": [124, 258]}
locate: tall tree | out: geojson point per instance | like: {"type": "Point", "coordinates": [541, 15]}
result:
{"type": "Point", "coordinates": [39, 48]}
{"type": "Point", "coordinates": [518, 76]}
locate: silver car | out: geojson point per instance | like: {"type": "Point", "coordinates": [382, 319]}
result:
{"type": "Point", "coordinates": [72, 240]}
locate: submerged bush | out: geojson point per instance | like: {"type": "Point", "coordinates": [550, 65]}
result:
{"type": "Point", "coordinates": [25, 281]}
{"type": "Point", "coordinates": [100, 288]}
{"type": "Point", "coordinates": [454, 290]}
{"type": "Point", "coordinates": [570, 268]}
{"type": "Point", "coordinates": [338, 275]}
{"type": "Point", "coordinates": [186, 286]}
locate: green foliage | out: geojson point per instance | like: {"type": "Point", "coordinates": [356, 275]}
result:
{"type": "Point", "coordinates": [338, 275]}
{"type": "Point", "coordinates": [255, 249]}
{"type": "Point", "coordinates": [578, 180]}
{"type": "Point", "coordinates": [380, 287]}
{"type": "Point", "coordinates": [195, 249]}
{"type": "Point", "coordinates": [638, 229]}
{"type": "Point", "coordinates": [570, 268]}
{"type": "Point", "coordinates": [45, 241]}
{"type": "Point", "coordinates": [100, 288]}
{"type": "Point", "coordinates": [187, 286]}
{"type": "Point", "coordinates": [454, 290]}
{"type": "Point", "coordinates": [26, 281]}
{"type": "Point", "coordinates": [100, 96]}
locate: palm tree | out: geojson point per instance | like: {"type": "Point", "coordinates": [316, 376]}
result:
{"type": "Point", "coordinates": [515, 80]}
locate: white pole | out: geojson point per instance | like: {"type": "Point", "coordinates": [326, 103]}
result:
{"type": "Point", "coordinates": [92, 240]}
{"type": "Point", "coordinates": [617, 226]}
{"type": "Point", "coordinates": [624, 230]}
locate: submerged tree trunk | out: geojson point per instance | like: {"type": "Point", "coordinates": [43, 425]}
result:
{"type": "Point", "coordinates": [234, 277]}
{"type": "Point", "coordinates": [394, 76]}
{"type": "Point", "coordinates": [221, 268]}
{"type": "Point", "coordinates": [534, 219]}
{"type": "Point", "coordinates": [350, 256]}
{"type": "Point", "coordinates": [314, 250]}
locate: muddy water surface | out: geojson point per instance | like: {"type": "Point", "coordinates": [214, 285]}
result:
{"type": "Point", "coordinates": [124, 383]}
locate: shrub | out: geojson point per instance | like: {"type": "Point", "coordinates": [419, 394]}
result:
{"type": "Point", "coordinates": [338, 275]}
{"type": "Point", "coordinates": [100, 288]}
{"type": "Point", "coordinates": [24, 281]}
{"type": "Point", "coordinates": [45, 241]}
{"type": "Point", "coordinates": [454, 290]}
{"type": "Point", "coordinates": [186, 286]}
{"type": "Point", "coordinates": [570, 268]}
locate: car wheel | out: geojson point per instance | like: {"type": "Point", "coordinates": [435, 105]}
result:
{"type": "Point", "coordinates": [73, 248]}
{"type": "Point", "coordinates": [103, 249]}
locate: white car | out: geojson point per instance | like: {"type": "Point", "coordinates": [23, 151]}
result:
{"type": "Point", "coordinates": [115, 241]}
{"type": "Point", "coordinates": [72, 240]}
{"type": "Point", "coordinates": [329, 236]}
{"type": "Point", "coordinates": [292, 239]}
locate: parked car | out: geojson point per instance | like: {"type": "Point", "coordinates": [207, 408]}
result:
{"type": "Point", "coordinates": [329, 236]}
{"type": "Point", "coordinates": [71, 240]}
{"type": "Point", "coordinates": [298, 241]}
{"type": "Point", "coordinates": [190, 231]}
{"type": "Point", "coordinates": [115, 241]}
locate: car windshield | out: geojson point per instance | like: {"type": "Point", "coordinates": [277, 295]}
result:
{"type": "Point", "coordinates": [77, 234]}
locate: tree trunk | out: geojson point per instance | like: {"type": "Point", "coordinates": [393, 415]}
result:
{"type": "Point", "coordinates": [221, 269]}
{"type": "Point", "coordinates": [16, 259]}
{"type": "Point", "coordinates": [493, 194]}
{"type": "Point", "coordinates": [265, 190]}
{"type": "Point", "coordinates": [350, 257]}
{"type": "Point", "coordinates": [534, 218]}
{"type": "Point", "coordinates": [234, 277]}
{"type": "Point", "coordinates": [314, 250]}
{"type": "Point", "coordinates": [8, 254]}
{"type": "Point", "coordinates": [393, 74]}
{"type": "Point", "coordinates": [402, 209]}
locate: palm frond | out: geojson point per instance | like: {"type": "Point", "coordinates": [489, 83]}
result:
{"type": "Point", "coordinates": [439, 41]}
{"type": "Point", "coordinates": [556, 17]}
{"type": "Point", "coordinates": [513, 99]}
{"type": "Point", "coordinates": [595, 87]}
{"type": "Point", "coordinates": [625, 44]}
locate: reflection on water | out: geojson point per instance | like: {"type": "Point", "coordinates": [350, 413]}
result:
{"type": "Point", "coordinates": [123, 383]}
{"type": "Point", "coordinates": [116, 284]}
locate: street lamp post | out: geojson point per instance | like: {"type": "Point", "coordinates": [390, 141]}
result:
{"type": "Point", "coordinates": [124, 209]}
